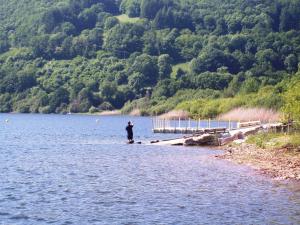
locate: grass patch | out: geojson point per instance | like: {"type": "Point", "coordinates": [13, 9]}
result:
{"type": "Point", "coordinates": [275, 140]}
{"type": "Point", "coordinates": [13, 52]}
{"type": "Point", "coordinates": [125, 19]}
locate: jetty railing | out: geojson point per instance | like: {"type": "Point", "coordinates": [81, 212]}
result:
{"type": "Point", "coordinates": [190, 126]}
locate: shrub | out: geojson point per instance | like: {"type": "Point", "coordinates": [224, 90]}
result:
{"type": "Point", "coordinates": [93, 109]}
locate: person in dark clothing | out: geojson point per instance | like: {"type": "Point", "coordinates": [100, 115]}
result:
{"type": "Point", "coordinates": [129, 132]}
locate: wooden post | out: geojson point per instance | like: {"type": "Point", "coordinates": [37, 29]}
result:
{"type": "Point", "coordinates": [175, 126]}
{"type": "Point", "coordinates": [198, 124]}
{"type": "Point", "coordinates": [186, 125]}
{"type": "Point", "coordinates": [209, 123]}
{"type": "Point", "coordinates": [152, 123]}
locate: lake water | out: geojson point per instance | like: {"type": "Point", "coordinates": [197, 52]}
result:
{"type": "Point", "coordinates": [76, 169]}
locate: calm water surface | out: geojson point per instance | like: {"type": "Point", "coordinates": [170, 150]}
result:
{"type": "Point", "coordinates": [72, 170]}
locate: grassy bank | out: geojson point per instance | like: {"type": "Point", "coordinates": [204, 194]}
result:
{"type": "Point", "coordinates": [274, 154]}
{"type": "Point", "coordinates": [206, 103]}
{"type": "Point", "coordinates": [275, 141]}
{"type": "Point", "coordinates": [161, 105]}
{"type": "Point", "coordinates": [211, 108]}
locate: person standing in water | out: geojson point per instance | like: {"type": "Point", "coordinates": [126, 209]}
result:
{"type": "Point", "coordinates": [129, 132]}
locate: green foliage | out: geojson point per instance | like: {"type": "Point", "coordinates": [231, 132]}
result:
{"type": "Point", "coordinates": [124, 39]}
{"type": "Point", "coordinates": [250, 85]}
{"type": "Point", "coordinates": [261, 139]}
{"type": "Point", "coordinates": [164, 66]}
{"type": "Point", "coordinates": [149, 8]}
{"type": "Point", "coordinates": [77, 55]}
{"type": "Point", "coordinates": [131, 7]}
{"type": "Point", "coordinates": [292, 99]}
{"type": "Point", "coordinates": [180, 70]}
{"type": "Point", "coordinates": [147, 68]}
{"type": "Point", "coordinates": [274, 141]}
{"type": "Point", "coordinates": [267, 97]}
{"type": "Point", "coordinates": [212, 59]}
{"type": "Point", "coordinates": [159, 104]}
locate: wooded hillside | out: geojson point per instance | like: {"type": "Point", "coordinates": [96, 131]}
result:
{"type": "Point", "coordinates": [89, 55]}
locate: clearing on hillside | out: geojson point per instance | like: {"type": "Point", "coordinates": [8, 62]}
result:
{"type": "Point", "coordinates": [125, 19]}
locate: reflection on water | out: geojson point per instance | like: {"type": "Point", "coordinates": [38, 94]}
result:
{"type": "Point", "coordinates": [73, 170]}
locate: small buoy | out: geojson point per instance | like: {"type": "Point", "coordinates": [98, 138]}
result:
{"type": "Point", "coordinates": [7, 120]}
{"type": "Point", "coordinates": [97, 121]}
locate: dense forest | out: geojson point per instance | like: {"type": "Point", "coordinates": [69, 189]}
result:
{"type": "Point", "coordinates": [60, 56]}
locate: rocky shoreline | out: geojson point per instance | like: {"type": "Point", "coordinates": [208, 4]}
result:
{"type": "Point", "coordinates": [279, 164]}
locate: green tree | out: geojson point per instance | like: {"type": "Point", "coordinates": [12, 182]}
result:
{"type": "Point", "coordinates": [211, 59]}
{"type": "Point", "coordinates": [110, 22]}
{"type": "Point", "coordinates": [146, 66]}
{"type": "Point", "coordinates": [250, 85]}
{"type": "Point", "coordinates": [131, 7]}
{"type": "Point", "coordinates": [137, 82]}
{"type": "Point", "coordinates": [57, 98]}
{"type": "Point", "coordinates": [149, 8]}
{"type": "Point", "coordinates": [291, 63]}
{"type": "Point", "coordinates": [164, 66]}
{"type": "Point", "coordinates": [124, 39]}
{"type": "Point", "coordinates": [292, 100]}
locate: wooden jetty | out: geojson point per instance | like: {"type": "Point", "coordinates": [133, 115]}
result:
{"type": "Point", "coordinates": [213, 136]}
{"type": "Point", "coordinates": [181, 130]}
{"type": "Point", "coordinates": [210, 139]}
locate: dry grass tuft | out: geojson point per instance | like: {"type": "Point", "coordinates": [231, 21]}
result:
{"type": "Point", "coordinates": [251, 114]}
{"type": "Point", "coordinates": [110, 113]}
{"type": "Point", "coordinates": [135, 112]}
{"type": "Point", "coordinates": [175, 114]}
